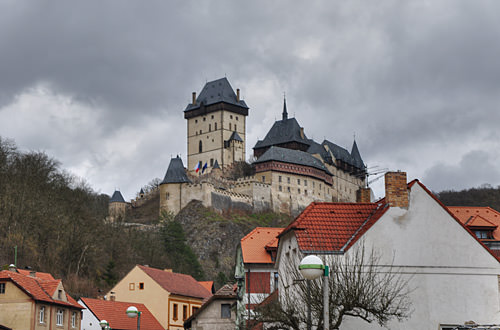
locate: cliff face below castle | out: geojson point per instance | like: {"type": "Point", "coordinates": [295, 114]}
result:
{"type": "Point", "coordinates": [214, 238]}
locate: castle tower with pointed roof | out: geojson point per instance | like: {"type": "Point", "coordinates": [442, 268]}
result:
{"type": "Point", "coordinates": [117, 206]}
{"type": "Point", "coordinates": [216, 126]}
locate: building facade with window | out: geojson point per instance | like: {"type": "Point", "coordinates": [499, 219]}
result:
{"type": "Point", "coordinates": [34, 300]}
{"type": "Point", "coordinates": [171, 297]}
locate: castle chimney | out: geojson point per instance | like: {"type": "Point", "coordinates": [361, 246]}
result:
{"type": "Point", "coordinates": [194, 98]}
{"type": "Point", "coordinates": [238, 94]}
{"type": "Point", "coordinates": [363, 195]}
{"type": "Point", "coordinates": [396, 189]}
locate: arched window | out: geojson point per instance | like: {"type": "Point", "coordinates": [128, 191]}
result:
{"type": "Point", "coordinates": [200, 147]}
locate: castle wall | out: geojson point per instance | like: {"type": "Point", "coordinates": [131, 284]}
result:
{"type": "Point", "coordinates": [212, 129]}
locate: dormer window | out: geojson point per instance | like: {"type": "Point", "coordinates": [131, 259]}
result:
{"type": "Point", "coordinates": [483, 234]}
{"type": "Point", "coordinates": [59, 294]}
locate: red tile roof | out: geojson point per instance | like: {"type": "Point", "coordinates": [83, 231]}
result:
{"type": "Point", "coordinates": [254, 245]}
{"type": "Point", "coordinates": [466, 215]}
{"type": "Point", "coordinates": [207, 285]}
{"type": "Point", "coordinates": [40, 275]}
{"type": "Point", "coordinates": [36, 288]}
{"type": "Point", "coordinates": [114, 312]}
{"type": "Point", "coordinates": [50, 286]}
{"type": "Point", "coordinates": [175, 283]}
{"type": "Point", "coordinates": [334, 226]}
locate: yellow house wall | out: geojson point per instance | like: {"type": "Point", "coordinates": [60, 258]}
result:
{"type": "Point", "coordinates": [153, 296]}
{"type": "Point", "coordinates": [180, 301]}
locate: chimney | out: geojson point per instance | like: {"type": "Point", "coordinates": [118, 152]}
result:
{"type": "Point", "coordinates": [194, 97]}
{"type": "Point", "coordinates": [33, 273]}
{"type": "Point", "coordinates": [363, 195]}
{"type": "Point", "coordinates": [238, 94]}
{"type": "Point", "coordinates": [13, 268]}
{"type": "Point", "coordinates": [396, 189]}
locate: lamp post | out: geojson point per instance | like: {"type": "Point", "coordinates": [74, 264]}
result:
{"type": "Point", "coordinates": [104, 325]}
{"type": "Point", "coordinates": [311, 267]}
{"type": "Point", "coordinates": [132, 311]}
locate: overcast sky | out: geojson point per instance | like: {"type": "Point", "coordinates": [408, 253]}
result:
{"type": "Point", "coordinates": [101, 85]}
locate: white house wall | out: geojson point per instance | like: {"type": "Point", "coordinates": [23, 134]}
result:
{"type": "Point", "coordinates": [89, 321]}
{"type": "Point", "coordinates": [454, 278]}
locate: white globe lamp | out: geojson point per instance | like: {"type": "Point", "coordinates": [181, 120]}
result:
{"type": "Point", "coordinates": [311, 267]}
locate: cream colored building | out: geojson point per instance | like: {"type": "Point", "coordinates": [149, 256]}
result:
{"type": "Point", "coordinates": [36, 301]}
{"type": "Point", "coordinates": [170, 297]}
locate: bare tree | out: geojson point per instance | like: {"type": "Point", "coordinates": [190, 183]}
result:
{"type": "Point", "coordinates": [360, 286]}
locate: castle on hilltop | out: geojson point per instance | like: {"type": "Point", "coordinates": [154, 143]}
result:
{"type": "Point", "coordinates": [289, 171]}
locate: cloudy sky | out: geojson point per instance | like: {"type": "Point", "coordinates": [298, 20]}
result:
{"type": "Point", "coordinates": [101, 85]}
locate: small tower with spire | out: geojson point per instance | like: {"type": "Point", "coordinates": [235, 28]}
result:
{"type": "Point", "coordinates": [171, 188]}
{"type": "Point", "coordinates": [117, 206]}
{"type": "Point", "coordinates": [285, 113]}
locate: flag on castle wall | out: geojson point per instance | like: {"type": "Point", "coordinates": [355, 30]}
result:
{"type": "Point", "coordinates": [197, 167]}
{"type": "Point", "coordinates": [204, 168]}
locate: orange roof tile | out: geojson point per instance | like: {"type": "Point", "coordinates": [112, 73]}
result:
{"type": "Point", "coordinates": [467, 213]}
{"type": "Point", "coordinates": [207, 285]}
{"type": "Point", "coordinates": [35, 288]}
{"type": "Point", "coordinates": [479, 221]}
{"type": "Point", "coordinates": [40, 275]}
{"type": "Point", "coordinates": [334, 226]}
{"type": "Point", "coordinates": [180, 284]}
{"type": "Point", "coordinates": [50, 286]}
{"type": "Point", "coordinates": [253, 245]}
{"type": "Point", "coordinates": [114, 312]}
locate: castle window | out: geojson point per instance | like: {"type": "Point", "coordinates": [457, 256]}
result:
{"type": "Point", "coordinates": [263, 178]}
{"type": "Point", "coordinates": [211, 162]}
{"type": "Point", "coordinates": [196, 121]}
{"type": "Point", "coordinates": [201, 132]}
{"type": "Point", "coordinates": [212, 116]}
{"type": "Point", "coordinates": [298, 190]}
{"type": "Point", "coordinates": [305, 183]}
{"type": "Point", "coordinates": [209, 127]}
{"type": "Point", "coordinates": [236, 117]}
{"type": "Point", "coordinates": [215, 126]}
{"type": "Point", "coordinates": [235, 127]}
{"type": "Point", "coordinates": [231, 116]}
{"type": "Point", "coordinates": [298, 181]}
{"type": "Point", "coordinates": [204, 118]}
{"type": "Point", "coordinates": [305, 192]}
{"type": "Point", "coordinates": [288, 189]}
{"type": "Point", "coordinates": [279, 178]}
{"type": "Point", "coordinates": [73, 319]}
{"type": "Point", "coordinates": [200, 147]}
{"type": "Point", "coordinates": [230, 126]}
{"type": "Point", "coordinates": [167, 196]}
{"type": "Point", "coordinates": [280, 188]}
{"type": "Point", "coordinates": [288, 180]}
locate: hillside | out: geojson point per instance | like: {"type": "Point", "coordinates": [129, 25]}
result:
{"type": "Point", "coordinates": [481, 196]}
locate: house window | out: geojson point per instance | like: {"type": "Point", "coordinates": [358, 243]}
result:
{"type": "Point", "coordinates": [73, 320]}
{"type": "Point", "coordinates": [41, 315]}
{"type": "Point", "coordinates": [481, 233]}
{"type": "Point", "coordinates": [200, 147]}
{"type": "Point", "coordinates": [2, 288]}
{"type": "Point", "coordinates": [59, 294]}
{"type": "Point", "coordinates": [141, 286]}
{"type": "Point", "coordinates": [225, 311]}
{"type": "Point", "coordinates": [131, 286]}
{"type": "Point", "coordinates": [60, 317]}
{"type": "Point", "coordinates": [276, 277]}
{"type": "Point", "coordinates": [184, 312]}
{"type": "Point", "coordinates": [175, 316]}
{"type": "Point", "coordinates": [194, 310]}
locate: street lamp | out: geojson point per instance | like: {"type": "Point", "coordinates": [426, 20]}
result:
{"type": "Point", "coordinates": [132, 311]}
{"type": "Point", "coordinates": [311, 267]}
{"type": "Point", "coordinates": [104, 325]}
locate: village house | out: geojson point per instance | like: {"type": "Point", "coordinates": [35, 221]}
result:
{"type": "Point", "coordinates": [257, 277]}
{"type": "Point", "coordinates": [216, 313]}
{"type": "Point", "coordinates": [34, 300]}
{"type": "Point", "coordinates": [114, 313]}
{"type": "Point", "coordinates": [171, 297]}
{"type": "Point", "coordinates": [452, 275]}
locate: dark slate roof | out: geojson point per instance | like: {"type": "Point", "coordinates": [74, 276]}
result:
{"type": "Point", "coordinates": [235, 136]}
{"type": "Point", "coordinates": [283, 131]}
{"type": "Point", "coordinates": [216, 165]}
{"type": "Point", "coordinates": [117, 197]}
{"type": "Point", "coordinates": [291, 156]}
{"type": "Point", "coordinates": [356, 156]}
{"type": "Point", "coordinates": [175, 172]}
{"type": "Point", "coordinates": [316, 148]}
{"type": "Point", "coordinates": [217, 91]}
{"type": "Point", "coordinates": [141, 192]}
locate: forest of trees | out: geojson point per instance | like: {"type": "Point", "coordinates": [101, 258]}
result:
{"type": "Point", "coordinates": [58, 224]}
{"type": "Point", "coordinates": [486, 195]}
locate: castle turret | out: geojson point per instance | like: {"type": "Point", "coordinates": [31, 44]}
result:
{"type": "Point", "coordinates": [117, 206]}
{"type": "Point", "coordinates": [171, 198]}
{"type": "Point", "coordinates": [212, 119]}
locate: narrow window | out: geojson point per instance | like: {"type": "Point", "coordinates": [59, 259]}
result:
{"type": "Point", "coordinates": [196, 121]}
{"type": "Point", "coordinates": [211, 162]}
{"type": "Point", "coordinates": [305, 183]}
{"type": "Point", "coordinates": [141, 286]}
{"type": "Point", "coordinates": [41, 317]}
{"type": "Point", "coordinates": [204, 118]}
{"type": "Point", "coordinates": [131, 286]}
{"type": "Point", "coordinates": [298, 190]}
{"type": "Point", "coordinates": [298, 181]}
{"type": "Point", "coordinates": [60, 317]}
{"type": "Point", "coordinates": [201, 132]}
{"type": "Point", "coordinates": [212, 116]}
{"type": "Point", "coordinates": [305, 192]}
{"type": "Point", "coordinates": [225, 311]}
{"type": "Point", "coordinates": [288, 180]}
{"type": "Point", "coordinates": [59, 294]}
{"type": "Point", "coordinates": [235, 127]}
{"type": "Point", "coordinates": [194, 310]}
{"type": "Point", "coordinates": [263, 179]}
{"type": "Point", "coordinates": [215, 126]}
{"type": "Point", "coordinates": [184, 312]}
{"type": "Point", "coordinates": [200, 147]}
{"type": "Point", "coordinates": [209, 127]}
{"type": "Point", "coordinates": [279, 178]}
{"type": "Point", "coordinates": [236, 117]}
{"type": "Point", "coordinates": [167, 196]}
{"type": "Point", "coordinates": [73, 320]}
{"type": "Point", "coordinates": [288, 189]}
{"type": "Point", "coordinates": [231, 116]}
{"type": "Point", "coordinates": [280, 188]}
{"type": "Point", "coordinates": [2, 288]}
{"type": "Point", "coordinates": [230, 127]}
{"type": "Point", "coordinates": [175, 316]}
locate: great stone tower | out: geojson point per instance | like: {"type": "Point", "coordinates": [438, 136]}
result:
{"type": "Point", "coordinates": [216, 127]}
